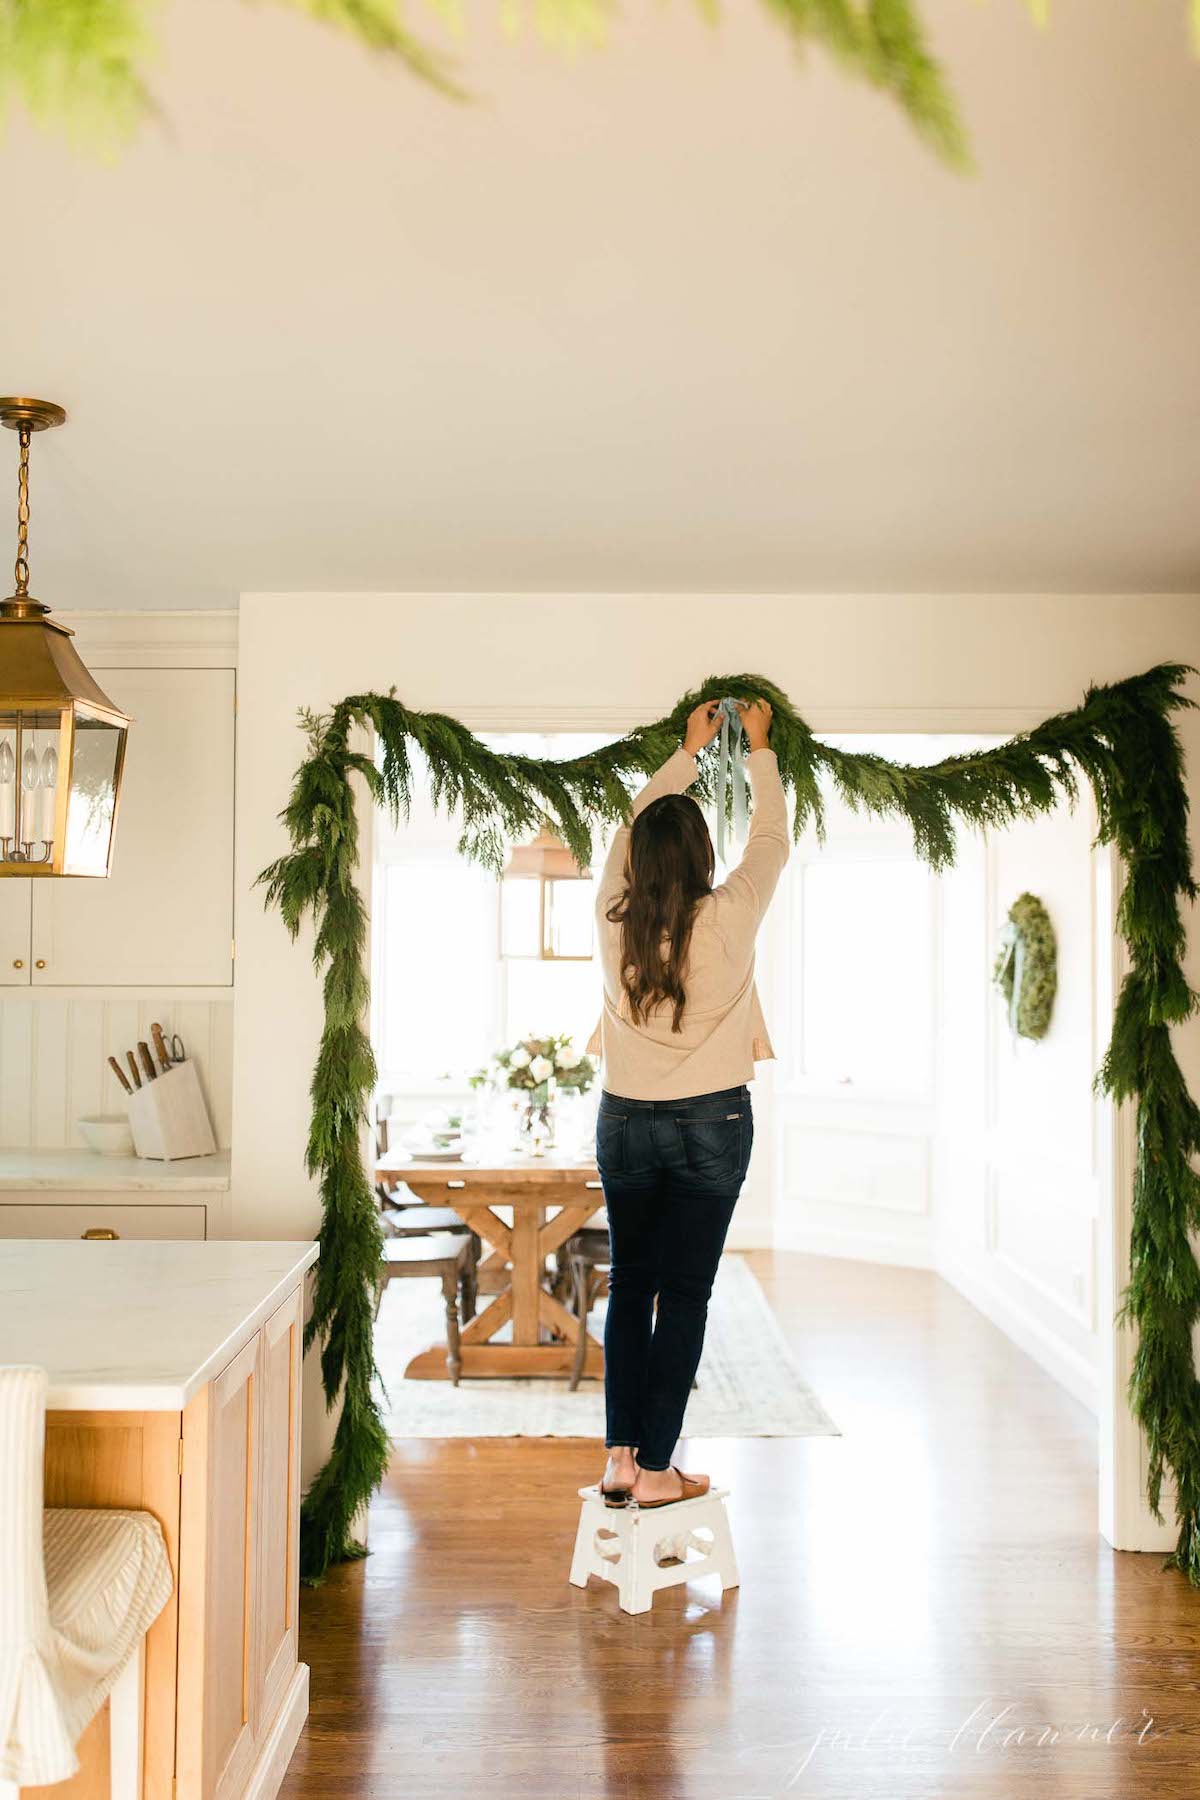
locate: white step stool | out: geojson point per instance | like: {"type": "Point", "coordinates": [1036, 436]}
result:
{"type": "Point", "coordinates": [643, 1549]}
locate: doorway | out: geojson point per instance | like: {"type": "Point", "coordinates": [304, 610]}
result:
{"type": "Point", "coordinates": [903, 1123]}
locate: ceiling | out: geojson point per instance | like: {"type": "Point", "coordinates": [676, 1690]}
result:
{"type": "Point", "coordinates": [678, 314]}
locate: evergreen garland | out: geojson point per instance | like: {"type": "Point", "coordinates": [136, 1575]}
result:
{"type": "Point", "coordinates": [1122, 741]}
{"type": "Point", "coordinates": [1026, 970]}
{"type": "Point", "coordinates": [82, 60]}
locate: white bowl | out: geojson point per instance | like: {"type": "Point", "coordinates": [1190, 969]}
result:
{"type": "Point", "coordinates": [107, 1136]}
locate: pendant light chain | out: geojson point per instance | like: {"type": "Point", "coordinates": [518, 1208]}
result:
{"type": "Point", "coordinates": [21, 566]}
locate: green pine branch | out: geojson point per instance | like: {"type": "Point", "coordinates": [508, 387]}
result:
{"type": "Point", "coordinates": [1122, 742]}
{"type": "Point", "coordinates": [81, 62]}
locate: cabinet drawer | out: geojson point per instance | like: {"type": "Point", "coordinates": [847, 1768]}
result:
{"type": "Point", "coordinates": [74, 1218]}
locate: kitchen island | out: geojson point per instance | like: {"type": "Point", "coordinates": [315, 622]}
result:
{"type": "Point", "coordinates": [175, 1387]}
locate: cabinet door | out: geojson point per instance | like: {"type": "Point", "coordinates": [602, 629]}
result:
{"type": "Point", "coordinates": [16, 953]}
{"type": "Point", "coordinates": [218, 1583]}
{"type": "Point", "coordinates": [165, 914]}
{"type": "Point", "coordinates": [276, 1649]}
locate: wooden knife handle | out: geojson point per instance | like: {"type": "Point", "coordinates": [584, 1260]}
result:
{"type": "Point", "coordinates": [147, 1062]}
{"type": "Point", "coordinates": [160, 1045]}
{"type": "Point", "coordinates": [119, 1072]}
{"type": "Point", "coordinates": [133, 1068]}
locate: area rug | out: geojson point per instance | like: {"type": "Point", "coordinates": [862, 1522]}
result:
{"type": "Point", "coordinates": [749, 1383]}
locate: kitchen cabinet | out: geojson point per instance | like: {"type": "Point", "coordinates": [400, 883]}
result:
{"type": "Point", "coordinates": [16, 925]}
{"type": "Point", "coordinates": [238, 1614]}
{"type": "Point", "coordinates": [75, 1194]}
{"type": "Point", "coordinates": [165, 914]}
{"type": "Point", "coordinates": [192, 1412]}
{"type": "Point", "coordinates": [86, 1218]}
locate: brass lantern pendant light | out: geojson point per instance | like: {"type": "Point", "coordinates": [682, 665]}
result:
{"type": "Point", "coordinates": [62, 741]}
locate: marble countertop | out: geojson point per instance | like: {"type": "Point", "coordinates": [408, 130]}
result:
{"type": "Point", "coordinates": [69, 1171]}
{"type": "Point", "coordinates": [130, 1326]}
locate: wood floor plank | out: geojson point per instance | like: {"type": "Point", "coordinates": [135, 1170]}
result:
{"type": "Point", "coordinates": [934, 1569]}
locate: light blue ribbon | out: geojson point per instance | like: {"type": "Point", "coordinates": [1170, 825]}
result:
{"type": "Point", "coordinates": [730, 767]}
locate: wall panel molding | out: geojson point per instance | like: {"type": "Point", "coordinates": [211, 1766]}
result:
{"type": "Point", "coordinates": [147, 640]}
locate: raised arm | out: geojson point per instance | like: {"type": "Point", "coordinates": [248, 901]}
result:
{"type": "Point", "coordinates": [768, 845]}
{"type": "Point", "coordinates": [674, 777]}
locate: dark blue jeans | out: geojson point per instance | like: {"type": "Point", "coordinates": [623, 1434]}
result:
{"type": "Point", "coordinates": [672, 1171]}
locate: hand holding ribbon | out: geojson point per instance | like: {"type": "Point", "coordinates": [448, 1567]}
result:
{"type": "Point", "coordinates": [731, 768]}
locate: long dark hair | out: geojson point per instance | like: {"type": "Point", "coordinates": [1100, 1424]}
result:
{"type": "Point", "coordinates": [669, 868]}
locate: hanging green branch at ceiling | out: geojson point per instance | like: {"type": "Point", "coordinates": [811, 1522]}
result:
{"type": "Point", "coordinates": [1122, 742]}
{"type": "Point", "coordinates": [81, 63]}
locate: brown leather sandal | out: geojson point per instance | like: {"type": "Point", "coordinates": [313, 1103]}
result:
{"type": "Point", "coordinates": [617, 1496]}
{"type": "Point", "coordinates": [693, 1487]}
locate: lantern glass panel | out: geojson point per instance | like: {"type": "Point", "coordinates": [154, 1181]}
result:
{"type": "Point", "coordinates": [92, 801]}
{"type": "Point", "coordinates": [569, 918]}
{"type": "Point", "coordinates": [10, 792]}
{"type": "Point", "coordinates": [30, 756]}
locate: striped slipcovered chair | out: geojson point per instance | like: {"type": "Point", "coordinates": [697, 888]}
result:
{"type": "Point", "coordinates": [79, 1588]}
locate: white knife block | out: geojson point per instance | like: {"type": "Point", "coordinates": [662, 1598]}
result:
{"type": "Point", "coordinates": [168, 1117]}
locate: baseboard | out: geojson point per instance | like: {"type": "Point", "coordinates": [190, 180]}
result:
{"type": "Point", "coordinates": [1069, 1369]}
{"type": "Point", "coordinates": [266, 1777]}
{"type": "Point", "coordinates": [896, 1251]}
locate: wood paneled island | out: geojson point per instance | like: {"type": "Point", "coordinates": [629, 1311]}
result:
{"type": "Point", "coordinates": [175, 1387]}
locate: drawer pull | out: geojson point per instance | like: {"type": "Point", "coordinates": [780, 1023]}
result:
{"type": "Point", "coordinates": [456, 1184]}
{"type": "Point", "coordinates": [18, 963]}
{"type": "Point", "coordinates": [40, 963]}
{"type": "Point", "coordinates": [99, 1231]}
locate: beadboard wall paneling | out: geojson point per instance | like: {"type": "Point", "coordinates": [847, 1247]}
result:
{"type": "Point", "coordinates": [54, 1051]}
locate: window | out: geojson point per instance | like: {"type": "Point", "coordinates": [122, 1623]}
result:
{"type": "Point", "coordinates": [443, 998]}
{"type": "Point", "coordinates": [867, 980]}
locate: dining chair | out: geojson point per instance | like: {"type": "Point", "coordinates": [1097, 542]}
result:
{"type": "Point", "coordinates": [586, 1256]}
{"type": "Point", "coordinates": [79, 1589]}
{"type": "Point", "coordinates": [437, 1255]}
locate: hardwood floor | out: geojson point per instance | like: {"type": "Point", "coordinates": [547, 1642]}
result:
{"type": "Point", "coordinates": [933, 1570]}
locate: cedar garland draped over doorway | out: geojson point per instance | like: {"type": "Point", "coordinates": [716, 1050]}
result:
{"type": "Point", "coordinates": [1122, 741]}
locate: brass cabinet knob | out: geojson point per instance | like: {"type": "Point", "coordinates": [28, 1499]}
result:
{"type": "Point", "coordinates": [17, 963]}
{"type": "Point", "coordinates": [99, 1231]}
{"type": "Point", "coordinates": [40, 963]}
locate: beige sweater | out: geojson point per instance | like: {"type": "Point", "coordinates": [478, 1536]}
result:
{"type": "Point", "coordinates": [722, 1033]}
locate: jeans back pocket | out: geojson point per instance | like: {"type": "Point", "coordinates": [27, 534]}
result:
{"type": "Point", "coordinates": [610, 1141]}
{"type": "Point", "coordinates": [712, 1146]}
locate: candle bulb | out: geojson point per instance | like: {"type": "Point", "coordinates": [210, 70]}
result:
{"type": "Point", "coordinates": [30, 777]}
{"type": "Point", "coordinates": [8, 791]}
{"type": "Point", "coordinates": [49, 793]}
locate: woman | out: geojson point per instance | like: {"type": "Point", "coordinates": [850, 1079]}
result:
{"type": "Point", "coordinates": [680, 1034]}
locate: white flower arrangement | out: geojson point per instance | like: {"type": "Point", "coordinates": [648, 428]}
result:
{"type": "Point", "coordinates": [533, 1063]}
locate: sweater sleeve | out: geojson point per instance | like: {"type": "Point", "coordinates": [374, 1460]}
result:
{"type": "Point", "coordinates": [749, 887]}
{"type": "Point", "coordinates": [675, 777]}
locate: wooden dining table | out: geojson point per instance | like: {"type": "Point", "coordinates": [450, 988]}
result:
{"type": "Point", "coordinates": [549, 1198]}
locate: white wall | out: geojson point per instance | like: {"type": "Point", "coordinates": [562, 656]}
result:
{"type": "Point", "coordinates": [540, 661]}
{"type": "Point", "coordinates": [1019, 1153]}
{"type": "Point", "coordinates": [54, 1050]}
